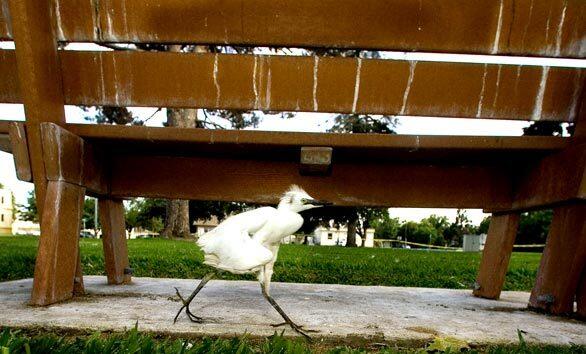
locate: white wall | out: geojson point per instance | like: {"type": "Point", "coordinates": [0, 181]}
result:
{"type": "Point", "coordinates": [6, 210]}
{"type": "Point", "coordinates": [337, 237]}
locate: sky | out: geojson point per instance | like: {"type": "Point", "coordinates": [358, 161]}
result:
{"type": "Point", "coordinates": [319, 122]}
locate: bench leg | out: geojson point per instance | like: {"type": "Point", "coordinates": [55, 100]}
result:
{"type": "Point", "coordinates": [57, 256]}
{"type": "Point", "coordinates": [496, 255]}
{"type": "Point", "coordinates": [581, 296]}
{"type": "Point", "coordinates": [114, 240]}
{"type": "Point", "coordinates": [563, 261]}
{"type": "Point", "coordinates": [78, 287]}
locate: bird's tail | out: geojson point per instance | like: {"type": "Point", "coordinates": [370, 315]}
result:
{"type": "Point", "coordinates": [211, 260]}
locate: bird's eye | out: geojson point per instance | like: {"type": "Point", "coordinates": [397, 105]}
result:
{"type": "Point", "coordinates": [303, 200]}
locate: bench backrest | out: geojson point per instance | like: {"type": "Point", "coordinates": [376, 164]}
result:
{"type": "Point", "coordinates": [45, 79]}
{"type": "Point", "coordinates": [550, 29]}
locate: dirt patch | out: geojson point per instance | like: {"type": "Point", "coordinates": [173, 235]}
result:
{"type": "Point", "coordinates": [424, 330]}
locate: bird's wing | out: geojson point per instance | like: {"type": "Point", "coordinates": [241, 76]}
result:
{"type": "Point", "coordinates": [232, 249]}
{"type": "Point", "coordinates": [250, 221]}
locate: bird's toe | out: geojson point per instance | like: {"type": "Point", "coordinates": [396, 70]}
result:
{"type": "Point", "coordinates": [279, 324]}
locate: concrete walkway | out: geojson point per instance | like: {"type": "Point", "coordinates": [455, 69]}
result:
{"type": "Point", "coordinates": [343, 314]}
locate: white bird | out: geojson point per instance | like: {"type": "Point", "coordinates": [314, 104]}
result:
{"type": "Point", "coordinates": [249, 243]}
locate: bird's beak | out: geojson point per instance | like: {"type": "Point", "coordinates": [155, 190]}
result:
{"type": "Point", "coordinates": [319, 202]}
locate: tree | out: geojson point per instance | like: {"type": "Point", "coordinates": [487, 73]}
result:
{"type": "Point", "coordinates": [534, 227]}
{"type": "Point", "coordinates": [484, 225]}
{"type": "Point", "coordinates": [144, 212]}
{"type": "Point", "coordinates": [454, 234]}
{"type": "Point", "coordinates": [548, 128]}
{"type": "Point", "coordinates": [386, 227]}
{"type": "Point", "coordinates": [88, 215]}
{"type": "Point", "coordinates": [440, 223]}
{"type": "Point", "coordinates": [359, 218]}
{"type": "Point", "coordinates": [28, 211]}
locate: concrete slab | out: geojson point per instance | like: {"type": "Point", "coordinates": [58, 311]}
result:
{"type": "Point", "coordinates": [341, 313]}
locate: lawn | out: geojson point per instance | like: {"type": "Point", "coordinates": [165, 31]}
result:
{"type": "Point", "coordinates": [12, 341]}
{"type": "Point", "coordinates": [296, 263]}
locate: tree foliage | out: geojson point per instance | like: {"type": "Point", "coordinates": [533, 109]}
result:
{"type": "Point", "coordinates": [28, 211]}
{"type": "Point", "coordinates": [149, 213]}
{"type": "Point", "coordinates": [548, 128]}
{"type": "Point", "coordinates": [534, 226]}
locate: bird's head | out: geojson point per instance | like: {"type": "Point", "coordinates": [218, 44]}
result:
{"type": "Point", "coordinates": [296, 199]}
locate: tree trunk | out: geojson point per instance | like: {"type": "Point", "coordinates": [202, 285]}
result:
{"type": "Point", "coordinates": [177, 216]}
{"type": "Point", "coordinates": [351, 235]}
{"type": "Point", "coordinates": [177, 211]}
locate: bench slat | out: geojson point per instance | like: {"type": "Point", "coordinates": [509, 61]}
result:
{"type": "Point", "coordinates": [129, 135]}
{"type": "Point", "coordinates": [338, 85]}
{"type": "Point", "coordinates": [262, 181]}
{"type": "Point", "coordinates": [552, 28]}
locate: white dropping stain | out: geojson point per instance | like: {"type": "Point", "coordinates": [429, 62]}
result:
{"type": "Point", "coordinates": [419, 16]}
{"type": "Point", "coordinates": [109, 33]}
{"type": "Point", "coordinates": [254, 83]}
{"type": "Point", "coordinates": [55, 143]}
{"type": "Point", "coordinates": [116, 81]}
{"type": "Point", "coordinates": [499, 26]}
{"type": "Point", "coordinates": [481, 97]}
{"type": "Point", "coordinates": [95, 23]}
{"type": "Point", "coordinates": [538, 107]}
{"type": "Point", "coordinates": [497, 86]}
{"type": "Point", "coordinates": [527, 24]}
{"type": "Point", "coordinates": [517, 79]}
{"type": "Point", "coordinates": [102, 81]}
{"type": "Point", "coordinates": [215, 75]}
{"type": "Point", "coordinates": [412, 66]}
{"type": "Point", "coordinates": [58, 19]}
{"type": "Point", "coordinates": [416, 144]}
{"type": "Point", "coordinates": [576, 95]}
{"type": "Point", "coordinates": [315, 72]}
{"type": "Point", "coordinates": [268, 87]}
{"type": "Point", "coordinates": [124, 16]}
{"type": "Point", "coordinates": [5, 11]}
{"type": "Point", "coordinates": [558, 38]}
{"type": "Point", "coordinates": [547, 29]}
{"type": "Point", "coordinates": [357, 84]}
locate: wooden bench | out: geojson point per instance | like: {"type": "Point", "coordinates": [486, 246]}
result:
{"type": "Point", "coordinates": [502, 175]}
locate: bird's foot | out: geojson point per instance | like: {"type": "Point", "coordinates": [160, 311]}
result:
{"type": "Point", "coordinates": [190, 315]}
{"type": "Point", "coordinates": [297, 328]}
{"type": "Point", "coordinates": [294, 324]}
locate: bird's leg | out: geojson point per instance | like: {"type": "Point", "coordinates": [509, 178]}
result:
{"type": "Point", "coordinates": [191, 316]}
{"type": "Point", "coordinates": [297, 328]}
{"type": "Point", "coordinates": [186, 303]}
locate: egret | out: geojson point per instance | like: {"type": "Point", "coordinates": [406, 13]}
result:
{"type": "Point", "coordinates": [249, 243]}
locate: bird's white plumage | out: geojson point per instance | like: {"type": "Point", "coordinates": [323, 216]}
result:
{"type": "Point", "coordinates": [249, 241]}
{"type": "Point", "coordinates": [230, 247]}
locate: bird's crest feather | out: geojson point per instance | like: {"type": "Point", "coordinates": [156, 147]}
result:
{"type": "Point", "coordinates": [293, 189]}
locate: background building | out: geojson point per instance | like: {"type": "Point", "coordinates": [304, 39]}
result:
{"type": "Point", "coordinates": [331, 236]}
{"type": "Point", "coordinates": [6, 211]}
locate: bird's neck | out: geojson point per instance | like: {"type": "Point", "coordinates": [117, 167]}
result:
{"type": "Point", "coordinates": [286, 207]}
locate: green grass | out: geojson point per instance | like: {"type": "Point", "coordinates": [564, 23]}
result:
{"type": "Point", "coordinates": [301, 264]}
{"type": "Point", "coordinates": [135, 342]}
